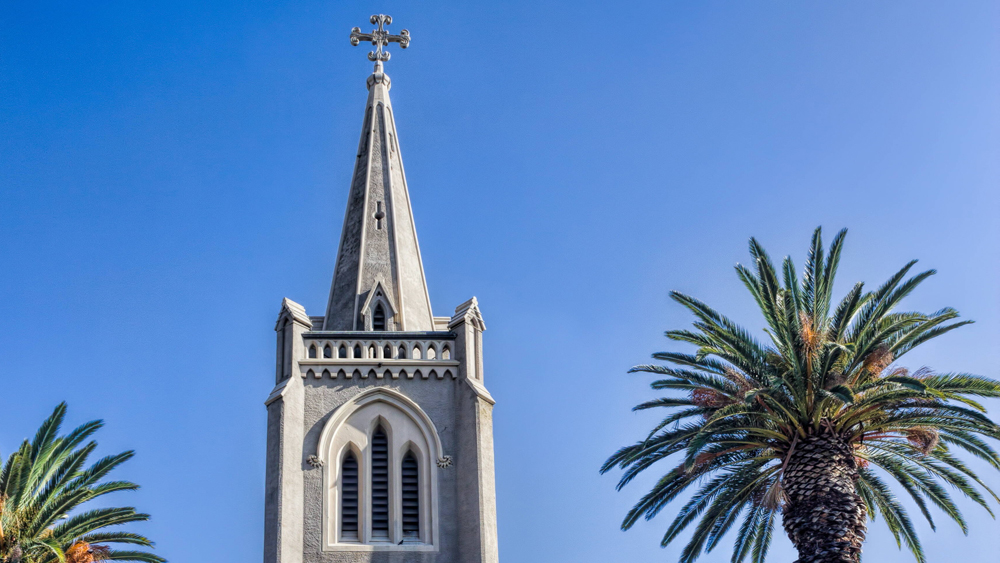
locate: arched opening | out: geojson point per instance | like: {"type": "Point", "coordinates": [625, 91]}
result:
{"type": "Point", "coordinates": [401, 352]}
{"type": "Point", "coordinates": [411, 497]}
{"type": "Point", "coordinates": [312, 351]}
{"type": "Point", "coordinates": [326, 374]}
{"type": "Point", "coordinates": [386, 493]}
{"type": "Point", "coordinates": [327, 352]}
{"type": "Point", "coordinates": [357, 351]}
{"type": "Point", "coordinates": [310, 374]}
{"type": "Point", "coordinates": [446, 353]}
{"type": "Point", "coordinates": [417, 352]}
{"type": "Point", "coordinates": [371, 351]}
{"type": "Point", "coordinates": [378, 318]}
{"type": "Point", "coordinates": [380, 485]}
{"type": "Point", "coordinates": [342, 353]}
{"type": "Point", "coordinates": [387, 352]}
{"type": "Point", "coordinates": [349, 498]}
{"type": "Point", "coordinates": [431, 352]}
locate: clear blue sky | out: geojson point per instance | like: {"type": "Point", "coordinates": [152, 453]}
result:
{"type": "Point", "coordinates": [170, 170]}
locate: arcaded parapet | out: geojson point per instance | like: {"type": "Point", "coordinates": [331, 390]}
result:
{"type": "Point", "coordinates": [380, 427]}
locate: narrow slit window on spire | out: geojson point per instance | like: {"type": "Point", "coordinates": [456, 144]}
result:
{"type": "Point", "coordinates": [378, 318]}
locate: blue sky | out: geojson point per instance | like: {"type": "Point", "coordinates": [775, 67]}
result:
{"type": "Point", "coordinates": [170, 170]}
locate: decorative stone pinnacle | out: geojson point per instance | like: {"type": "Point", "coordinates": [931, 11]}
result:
{"type": "Point", "coordinates": [380, 38]}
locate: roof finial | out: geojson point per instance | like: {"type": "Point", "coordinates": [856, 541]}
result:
{"type": "Point", "coordinates": [380, 38]}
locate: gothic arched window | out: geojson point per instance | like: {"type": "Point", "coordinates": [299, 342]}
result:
{"type": "Point", "coordinates": [312, 351]}
{"type": "Point", "coordinates": [380, 479]}
{"type": "Point", "coordinates": [378, 318]}
{"type": "Point", "coordinates": [357, 351]}
{"type": "Point", "coordinates": [327, 352]}
{"type": "Point", "coordinates": [342, 353]}
{"type": "Point", "coordinates": [380, 485]}
{"type": "Point", "coordinates": [411, 496]}
{"type": "Point", "coordinates": [349, 498]}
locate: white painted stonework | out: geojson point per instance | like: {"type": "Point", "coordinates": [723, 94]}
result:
{"type": "Point", "coordinates": [379, 361]}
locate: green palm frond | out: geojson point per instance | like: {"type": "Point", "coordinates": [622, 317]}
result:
{"type": "Point", "coordinates": [44, 488]}
{"type": "Point", "coordinates": [739, 407]}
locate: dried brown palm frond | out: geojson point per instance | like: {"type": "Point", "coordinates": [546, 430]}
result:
{"type": "Point", "coordinates": [83, 552]}
{"type": "Point", "coordinates": [774, 497]}
{"type": "Point", "coordinates": [834, 379]}
{"type": "Point", "coordinates": [923, 438]}
{"type": "Point", "coordinates": [878, 360]}
{"type": "Point", "coordinates": [709, 398]}
{"type": "Point", "coordinates": [737, 377]}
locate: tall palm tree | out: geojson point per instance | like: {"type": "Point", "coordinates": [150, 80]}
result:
{"type": "Point", "coordinates": [809, 424]}
{"type": "Point", "coordinates": [42, 487]}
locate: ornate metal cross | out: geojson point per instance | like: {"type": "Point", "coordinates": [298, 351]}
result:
{"type": "Point", "coordinates": [380, 38]}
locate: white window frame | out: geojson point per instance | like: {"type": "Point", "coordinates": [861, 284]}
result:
{"type": "Point", "coordinates": [408, 428]}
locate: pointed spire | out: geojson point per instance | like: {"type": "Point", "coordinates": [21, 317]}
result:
{"type": "Point", "coordinates": [378, 264]}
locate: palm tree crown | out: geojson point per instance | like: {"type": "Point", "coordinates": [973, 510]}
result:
{"type": "Point", "coordinates": [808, 424]}
{"type": "Point", "coordinates": [42, 486]}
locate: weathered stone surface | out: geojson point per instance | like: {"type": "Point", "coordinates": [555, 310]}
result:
{"type": "Point", "coordinates": [314, 390]}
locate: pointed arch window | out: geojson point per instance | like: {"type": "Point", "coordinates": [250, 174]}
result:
{"type": "Point", "coordinates": [349, 498]}
{"type": "Point", "coordinates": [380, 485]}
{"type": "Point", "coordinates": [411, 497]}
{"type": "Point", "coordinates": [378, 318]}
{"type": "Point", "coordinates": [342, 353]}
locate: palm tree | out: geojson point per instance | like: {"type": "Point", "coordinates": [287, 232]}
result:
{"type": "Point", "coordinates": [809, 424]}
{"type": "Point", "coordinates": [42, 486]}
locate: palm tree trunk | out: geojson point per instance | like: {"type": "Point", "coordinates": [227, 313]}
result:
{"type": "Point", "coordinates": [824, 516]}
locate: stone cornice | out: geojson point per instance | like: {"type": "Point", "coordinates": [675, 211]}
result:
{"type": "Point", "coordinates": [367, 335]}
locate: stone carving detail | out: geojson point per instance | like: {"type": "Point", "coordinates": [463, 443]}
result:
{"type": "Point", "coordinates": [314, 461]}
{"type": "Point", "coordinates": [444, 462]}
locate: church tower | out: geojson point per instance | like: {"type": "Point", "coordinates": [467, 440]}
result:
{"type": "Point", "coordinates": [379, 427]}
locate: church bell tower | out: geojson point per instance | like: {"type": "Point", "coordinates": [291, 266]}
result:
{"type": "Point", "coordinates": [379, 427]}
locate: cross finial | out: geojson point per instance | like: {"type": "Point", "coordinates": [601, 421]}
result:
{"type": "Point", "coordinates": [380, 38]}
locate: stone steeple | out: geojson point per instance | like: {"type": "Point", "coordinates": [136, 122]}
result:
{"type": "Point", "coordinates": [379, 425]}
{"type": "Point", "coordinates": [378, 263]}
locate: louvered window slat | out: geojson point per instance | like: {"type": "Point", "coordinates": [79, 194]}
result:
{"type": "Point", "coordinates": [380, 484]}
{"type": "Point", "coordinates": [378, 319]}
{"type": "Point", "coordinates": [411, 497]}
{"type": "Point", "coordinates": [349, 498]}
